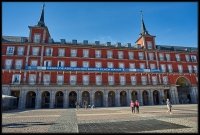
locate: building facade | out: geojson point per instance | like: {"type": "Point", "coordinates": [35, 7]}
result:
{"type": "Point", "coordinates": [42, 73]}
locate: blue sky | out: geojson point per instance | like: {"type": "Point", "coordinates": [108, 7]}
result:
{"type": "Point", "coordinates": [173, 23]}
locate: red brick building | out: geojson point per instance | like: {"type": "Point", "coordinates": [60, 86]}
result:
{"type": "Point", "coordinates": [47, 74]}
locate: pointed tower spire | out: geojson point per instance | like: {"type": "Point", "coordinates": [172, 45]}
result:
{"type": "Point", "coordinates": [41, 22]}
{"type": "Point", "coordinates": [143, 28]}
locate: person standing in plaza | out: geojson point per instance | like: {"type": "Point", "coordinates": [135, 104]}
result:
{"type": "Point", "coordinates": [137, 105]}
{"type": "Point", "coordinates": [169, 106]}
{"type": "Point", "coordinates": [132, 106]}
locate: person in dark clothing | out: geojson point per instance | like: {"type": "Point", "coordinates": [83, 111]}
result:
{"type": "Point", "coordinates": [137, 106]}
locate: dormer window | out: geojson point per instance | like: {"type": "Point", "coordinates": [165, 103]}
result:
{"type": "Point", "coordinates": [36, 38]}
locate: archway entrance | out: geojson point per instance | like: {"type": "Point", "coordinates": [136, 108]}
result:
{"type": "Point", "coordinates": [85, 98]}
{"type": "Point", "coordinates": [59, 99]}
{"type": "Point", "coordinates": [45, 99]}
{"type": "Point", "coordinates": [155, 97]}
{"type": "Point", "coordinates": [72, 99]}
{"type": "Point", "coordinates": [16, 94]}
{"type": "Point", "coordinates": [98, 99]}
{"type": "Point", "coordinates": [123, 98]}
{"type": "Point", "coordinates": [134, 96]}
{"type": "Point", "coordinates": [145, 97]}
{"type": "Point", "coordinates": [30, 99]}
{"type": "Point", "coordinates": [183, 89]}
{"type": "Point", "coordinates": [111, 98]}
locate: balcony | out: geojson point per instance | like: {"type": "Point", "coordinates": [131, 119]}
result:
{"type": "Point", "coordinates": [18, 66]}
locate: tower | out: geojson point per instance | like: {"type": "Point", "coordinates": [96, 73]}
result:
{"type": "Point", "coordinates": [39, 33]}
{"type": "Point", "coordinates": [145, 40]}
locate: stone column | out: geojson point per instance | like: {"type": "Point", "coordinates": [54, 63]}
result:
{"type": "Point", "coordinates": [52, 99]}
{"type": "Point", "coordinates": [92, 97]}
{"type": "Point", "coordinates": [161, 96]}
{"type": "Point", "coordinates": [117, 98]}
{"type": "Point", "coordinates": [79, 96]}
{"type": "Point", "coordinates": [140, 98]}
{"type": "Point", "coordinates": [38, 99]}
{"type": "Point", "coordinates": [66, 101]}
{"type": "Point", "coordinates": [22, 99]}
{"type": "Point", "coordinates": [193, 94]}
{"type": "Point", "coordinates": [128, 96]}
{"type": "Point", "coordinates": [174, 95]}
{"type": "Point", "coordinates": [150, 97]}
{"type": "Point", "coordinates": [105, 98]}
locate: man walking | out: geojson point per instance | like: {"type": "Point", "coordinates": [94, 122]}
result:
{"type": "Point", "coordinates": [169, 106]}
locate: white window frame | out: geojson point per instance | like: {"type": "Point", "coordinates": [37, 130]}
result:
{"type": "Point", "coordinates": [133, 80]}
{"type": "Point", "coordinates": [161, 56]}
{"type": "Point", "coordinates": [132, 65]}
{"type": "Point", "coordinates": [144, 80]}
{"type": "Point", "coordinates": [149, 45]}
{"type": "Point", "coordinates": [97, 53]}
{"type": "Point", "coordinates": [48, 51]}
{"type": "Point", "coordinates": [10, 50]}
{"type": "Point", "coordinates": [49, 63]}
{"type": "Point", "coordinates": [154, 80]}
{"type": "Point", "coordinates": [46, 79]}
{"type": "Point", "coordinates": [86, 64]}
{"type": "Point", "coordinates": [18, 64]}
{"type": "Point", "coordinates": [151, 56]}
{"type": "Point", "coordinates": [8, 63]}
{"type": "Point", "coordinates": [195, 68]}
{"type": "Point", "coordinates": [180, 68]}
{"type": "Point", "coordinates": [98, 79]}
{"type": "Point", "coordinates": [178, 58]}
{"type": "Point", "coordinates": [121, 65]}
{"type": "Point", "coordinates": [73, 79]}
{"type": "Point", "coordinates": [168, 57]}
{"type": "Point", "coordinates": [142, 66]}
{"type": "Point", "coordinates": [20, 50]}
{"type": "Point", "coordinates": [170, 68]}
{"type": "Point", "coordinates": [109, 54]}
{"type": "Point", "coordinates": [35, 51]}
{"type": "Point", "coordinates": [61, 62]}
{"type": "Point", "coordinates": [131, 55]}
{"type": "Point", "coordinates": [122, 80]}
{"type": "Point", "coordinates": [37, 38]}
{"type": "Point", "coordinates": [187, 57]}
{"type": "Point", "coordinates": [32, 79]}
{"type": "Point", "coordinates": [98, 64]}
{"type": "Point", "coordinates": [86, 79]}
{"type": "Point", "coordinates": [33, 63]}
{"type": "Point", "coordinates": [85, 53]}
{"type": "Point", "coordinates": [193, 58]}
{"type": "Point", "coordinates": [152, 66]}
{"type": "Point", "coordinates": [120, 55]}
{"type": "Point", "coordinates": [190, 68]}
{"type": "Point", "coordinates": [165, 80]}
{"type": "Point", "coordinates": [14, 77]}
{"type": "Point", "coordinates": [163, 67]}
{"type": "Point", "coordinates": [111, 79]}
{"type": "Point", "coordinates": [73, 63]}
{"type": "Point", "coordinates": [61, 52]}
{"type": "Point", "coordinates": [60, 79]}
{"type": "Point", "coordinates": [73, 53]}
{"type": "Point", "coordinates": [141, 55]}
{"type": "Point", "coordinates": [110, 64]}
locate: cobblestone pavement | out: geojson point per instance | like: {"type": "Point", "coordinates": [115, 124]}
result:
{"type": "Point", "coordinates": [151, 119]}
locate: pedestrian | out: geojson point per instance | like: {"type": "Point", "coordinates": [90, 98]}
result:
{"type": "Point", "coordinates": [137, 105]}
{"type": "Point", "coordinates": [169, 106]}
{"type": "Point", "coordinates": [76, 104]}
{"type": "Point", "coordinates": [132, 106]}
{"type": "Point", "coordinates": [86, 104]}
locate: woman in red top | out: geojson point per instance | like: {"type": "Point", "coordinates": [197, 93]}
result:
{"type": "Point", "coordinates": [132, 106]}
{"type": "Point", "coordinates": [137, 106]}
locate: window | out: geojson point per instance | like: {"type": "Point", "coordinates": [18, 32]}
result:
{"type": "Point", "coordinates": [60, 79]}
{"type": "Point", "coordinates": [133, 80]}
{"type": "Point", "coordinates": [73, 80]}
{"type": "Point", "coordinates": [132, 65]}
{"type": "Point", "coordinates": [169, 66]}
{"type": "Point", "coordinates": [195, 68]}
{"type": "Point", "coordinates": [10, 50]}
{"type": "Point", "coordinates": [180, 68]}
{"type": "Point", "coordinates": [73, 52]}
{"type": "Point", "coordinates": [120, 55]}
{"type": "Point", "coordinates": [47, 63]}
{"type": "Point", "coordinates": [142, 66]}
{"type": "Point", "coordinates": [152, 66]}
{"type": "Point", "coordinates": [141, 55]}
{"type": "Point", "coordinates": [46, 79]}
{"type": "Point", "coordinates": [36, 38]}
{"type": "Point", "coordinates": [32, 79]}
{"type": "Point", "coordinates": [149, 44]}
{"type": "Point", "coordinates": [131, 55]}
{"type": "Point", "coordinates": [151, 56]}
{"type": "Point", "coordinates": [8, 64]}
{"type": "Point", "coordinates": [35, 51]}
{"type": "Point", "coordinates": [190, 68]}
{"type": "Point", "coordinates": [109, 64]}
{"type": "Point", "coordinates": [111, 80]}
{"type": "Point", "coordinates": [34, 62]}
{"type": "Point", "coordinates": [98, 80]}
{"type": "Point", "coordinates": [193, 58]}
{"type": "Point", "coordinates": [98, 64]}
{"type": "Point", "coordinates": [167, 57]}
{"type": "Point", "coordinates": [85, 64]}
{"type": "Point", "coordinates": [73, 63]}
{"type": "Point", "coordinates": [20, 50]}
{"type": "Point", "coordinates": [98, 53]}
{"type": "Point", "coordinates": [165, 80]}
{"type": "Point", "coordinates": [161, 56]}
{"type": "Point", "coordinates": [109, 54]}
{"type": "Point", "coordinates": [163, 68]}
{"type": "Point", "coordinates": [61, 52]}
{"type": "Point", "coordinates": [18, 64]}
{"type": "Point", "coordinates": [49, 51]}
{"type": "Point", "coordinates": [85, 53]}
{"type": "Point", "coordinates": [85, 79]}
{"type": "Point", "coordinates": [122, 80]}
{"type": "Point", "coordinates": [16, 78]}
{"type": "Point", "coordinates": [60, 64]}
{"type": "Point", "coordinates": [178, 57]}
{"type": "Point", "coordinates": [154, 80]}
{"type": "Point", "coordinates": [121, 65]}
{"type": "Point", "coordinates": [144, 80]}
{"type": "Point", "coordinates": [187, 57]}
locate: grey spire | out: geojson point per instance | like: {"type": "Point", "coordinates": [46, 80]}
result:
{"type": "Point", "coordinates": [143, 28]}
{"type": "Point", "coordinates": [41, 22]}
